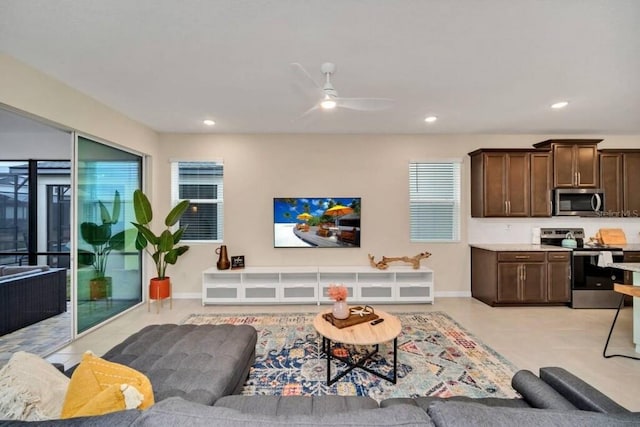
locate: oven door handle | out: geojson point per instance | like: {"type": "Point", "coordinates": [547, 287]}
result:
{"type": "Point", "coordinates": [596, 253]}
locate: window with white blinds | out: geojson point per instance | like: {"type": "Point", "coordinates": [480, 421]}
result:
{"type": "Point", "coordinates": [202, 184]}
{"type": "Point", "coordinates": [434, 201]}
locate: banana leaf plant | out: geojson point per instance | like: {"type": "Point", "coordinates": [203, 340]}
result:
{"type": "Point", "coordinates": [99, 237]}
{"type": "Point", "coordinates": [162, 248]}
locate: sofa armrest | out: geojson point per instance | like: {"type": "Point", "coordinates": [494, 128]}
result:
{"type": "Point", "coordinates": [538, 393]}
{"type": "Point", "coordinates": [578, 392]}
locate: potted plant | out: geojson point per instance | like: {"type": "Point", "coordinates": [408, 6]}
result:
{"type": "Point", "coordinates": [162, 248]}
{"type": "Point", "coordinates": [102, 242]}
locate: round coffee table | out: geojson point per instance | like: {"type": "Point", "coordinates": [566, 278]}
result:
{"type": "Point", "coordinates": [363, 334]}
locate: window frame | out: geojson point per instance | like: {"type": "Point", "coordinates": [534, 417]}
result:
{"type": "Point", "coordinates": [456, 219]}
{"type": "Point", "coordinates": [219, 201]}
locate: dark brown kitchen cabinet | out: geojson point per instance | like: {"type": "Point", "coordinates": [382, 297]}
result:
{"type": "Point", "coordinates": [575, 162]}
{"type": "Point", "coordinates": [500, 183]}
{"type": "Point", "coordinates": [620, 180]}
{"type": "Point", "coordinates": [611, 180]}
{"type": "Point", "coordinates": [558, 277]}
{"type": "Point", "coordinates": [520, 277]}
{"type": "Point", "coordinates": [633, 256]}
{"type": "Point", "coordinates": [541, 181]}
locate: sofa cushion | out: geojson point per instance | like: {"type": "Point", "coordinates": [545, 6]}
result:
{"type": "Point", "coordinates": [538, 393]}
{"type": "Point", "coordinates": [296, 405]}
{"type": "Point", "coordinates": [425, 402]}
{"type": "Point", "coordinates": [463, 414]}
{"type": "Point", "coordinates": [178, 412]}
{"type": "Point", "coordinates": [200, 363]}
{"type": "Point", "coordinates": [579, 393]}
{"type": "Point", "coordinates": [95, 388]}
{"type": "Point", "coordinates": [31, 388]}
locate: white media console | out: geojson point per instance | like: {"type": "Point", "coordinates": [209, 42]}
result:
{"type": "Point", "coordinates": [304, 285]}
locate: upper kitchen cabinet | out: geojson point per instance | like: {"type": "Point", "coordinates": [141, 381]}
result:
{"type": "Point", "coordinates": [541, 182]}
{"type": "Point", "coordinates": [575, 162]}
{"type": "Point", "coordinates": [500, 183]}
{"type": "Point", "coordinates": [620, 179]}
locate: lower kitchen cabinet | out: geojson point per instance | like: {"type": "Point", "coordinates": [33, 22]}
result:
{"type": "Point", "coordinates": [519, 277]}
{"type": "Point", "coordinates": [630, 256]}
{"type": "Point", "coordinates": [559, 277]}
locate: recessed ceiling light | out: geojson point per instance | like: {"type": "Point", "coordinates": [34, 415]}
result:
{"type": "Point", "coordinates": [209, 122]}
{"type": "Point", "coordinates": [559, 105]}
{"type": "Point", "coordinates": [430, 119]}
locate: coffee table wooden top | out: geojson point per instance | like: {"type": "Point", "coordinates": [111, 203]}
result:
{"type": "Point", "coordinates": [361, 334]}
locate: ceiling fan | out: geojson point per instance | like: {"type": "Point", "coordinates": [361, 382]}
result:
{"type": "Point", "coordinates": [327, 96]}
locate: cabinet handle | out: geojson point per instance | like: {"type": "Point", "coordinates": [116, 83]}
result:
{"type": "Point", "coordinates": [522, 257]}
{"type": "Point", "coordinates": [579, 179]}
{"type": "Point", "coordinates": [506, 209]}
{"type": "Point", "coordinates": [524, 273]}
{"type": "Point", "coordinates": [509, 204]}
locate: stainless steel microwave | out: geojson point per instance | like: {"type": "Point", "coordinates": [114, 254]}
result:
{"type": "Point", "coordinates": [578, 201]}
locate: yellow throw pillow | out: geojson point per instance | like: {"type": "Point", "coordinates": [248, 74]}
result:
{"type": "Point", "coordinates": [95, 375]}
{"type": "Point", "coordinates": [116, 397]}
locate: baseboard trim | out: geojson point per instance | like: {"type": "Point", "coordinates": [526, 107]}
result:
{"type": "Point", "coordinates": [452, 294]}
{"type": "Point", "coordinates": [445, 294]}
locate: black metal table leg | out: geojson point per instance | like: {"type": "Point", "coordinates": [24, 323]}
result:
{"type": "Point", "coordinates": [360, 363]}
{"type": "Point", "coordinates": [604, 351]}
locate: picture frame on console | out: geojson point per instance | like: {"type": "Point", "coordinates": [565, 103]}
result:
{"type": "Point", "coordinates": [317, 222]}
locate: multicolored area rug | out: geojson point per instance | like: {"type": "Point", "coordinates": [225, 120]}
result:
{"type": "Point", "coordinates": [436, 357]}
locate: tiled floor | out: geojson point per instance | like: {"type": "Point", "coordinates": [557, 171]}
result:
{"type": "Point", "coordinates": [530, 337]}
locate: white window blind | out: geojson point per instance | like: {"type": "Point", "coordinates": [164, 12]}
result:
{"type": "Point", "coordinates": [434, 200]}
{"type": "Point", "coordinates": [202, 184]}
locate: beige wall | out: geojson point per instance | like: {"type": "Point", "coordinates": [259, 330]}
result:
{"type": "Point", "coordinates": [28, 90]}
{"type": "Point", "coordinates": [374, 167]}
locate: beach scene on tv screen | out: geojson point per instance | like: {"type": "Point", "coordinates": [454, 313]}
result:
{"type": "Point", "coordinates": [316, 222]}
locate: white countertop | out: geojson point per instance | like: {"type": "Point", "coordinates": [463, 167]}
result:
{"type": "Point", "coordinates": [517, 247]}
{"type": "Point", "coordinates": [630, 266]}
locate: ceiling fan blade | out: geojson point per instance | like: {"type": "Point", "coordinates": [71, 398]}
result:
{"type": "Point", "coordinates": [365, 104]}
{"type": "Point", "coordinates": [304, 81]}
{"type": "Point", "coordinates": [309, 111]}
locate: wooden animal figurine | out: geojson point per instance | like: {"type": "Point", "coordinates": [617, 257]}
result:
{"type": "Point", "coordinates": [384, 263]}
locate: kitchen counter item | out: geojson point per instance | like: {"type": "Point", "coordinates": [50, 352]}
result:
{"type": "Point", "coordinates": [516, 247]}
{"type": "Point", "coordinates": [612, 236]}
{"type": "Point", "coordinates": [569, 241]}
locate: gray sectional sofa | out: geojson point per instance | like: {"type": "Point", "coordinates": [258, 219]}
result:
{"type": "Point", "coordinates": [195, 370]}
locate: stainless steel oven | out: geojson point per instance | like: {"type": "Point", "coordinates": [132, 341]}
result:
{"type": "Point", "coordinates": [593, 280]}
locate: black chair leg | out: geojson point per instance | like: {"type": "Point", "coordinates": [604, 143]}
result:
{"type": "Point", "coordinates": [604, 352]}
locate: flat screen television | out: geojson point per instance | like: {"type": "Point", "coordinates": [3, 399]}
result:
{"type": "Point", "coordinates": [316, 222]}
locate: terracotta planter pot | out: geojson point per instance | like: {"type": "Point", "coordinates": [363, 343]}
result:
{"type": "Point", "coordinates": [160, 289]}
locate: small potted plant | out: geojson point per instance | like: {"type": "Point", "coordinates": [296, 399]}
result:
{"type": "Point", "coordinates": [162, 248]}
{"type": "Point", "coordinates": [99, 237]}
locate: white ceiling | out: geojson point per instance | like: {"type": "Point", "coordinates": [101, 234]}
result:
{"type": "Point", "coordinates": [490, 66]}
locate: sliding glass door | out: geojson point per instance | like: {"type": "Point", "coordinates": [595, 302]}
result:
{"type": "Point", "coordinates": [109, 273]}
